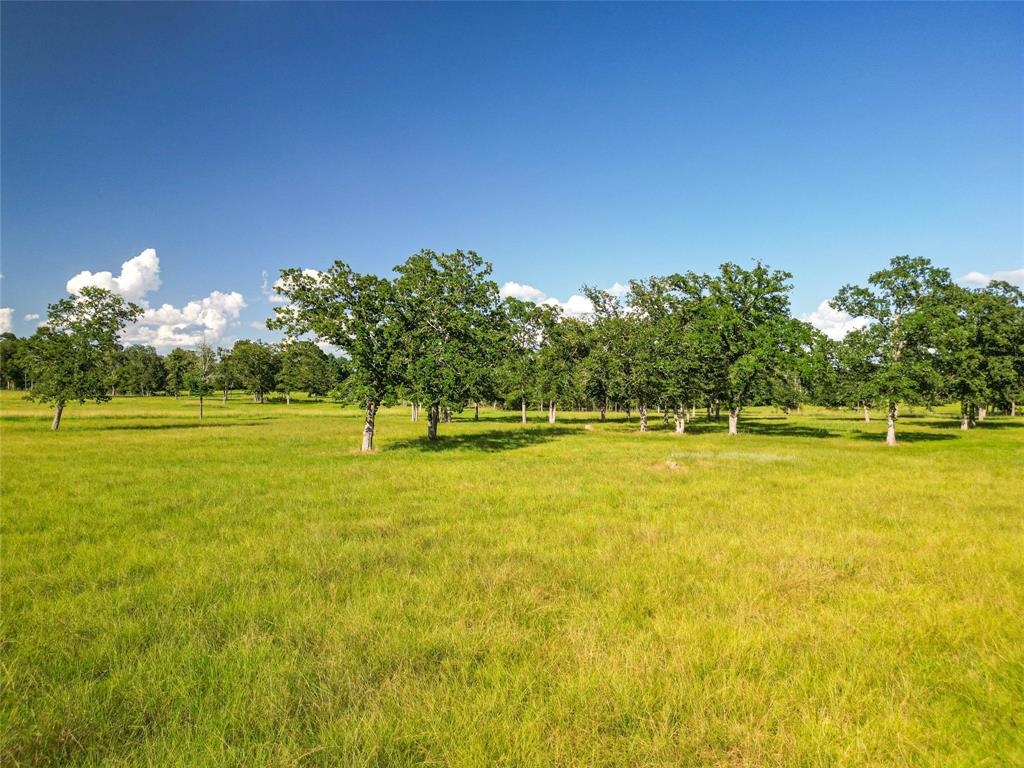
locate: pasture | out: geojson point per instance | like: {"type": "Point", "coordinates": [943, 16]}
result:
{"type": "Point", "coordinates": [250, 590]}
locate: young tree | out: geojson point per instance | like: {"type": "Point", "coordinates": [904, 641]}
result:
{"type": "Point", "coordinates": [447, 308]}
{"type": "Point", "coordinates": [902, 303]}
{"type": "Point", "coordinates": [199, 376]}
{"type": "Point", "coordinates": [70, 351]}
{"type": "Point", "coordinates": [354, 313]}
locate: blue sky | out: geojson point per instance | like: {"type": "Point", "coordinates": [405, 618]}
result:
{"type": "Point", "coordinates": [565, 143]}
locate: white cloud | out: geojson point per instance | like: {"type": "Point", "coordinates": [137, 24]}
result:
{"type": "Point", "coordinates": [1013, 276]}
{"type": "Point", "coordinates": [6, 319]}
{"type": "Point", "coordinates": [574, 306]}
{"type": "Point", "coordinates": [833, 322]}
{"type": "Point", "coordinates": [199, 321]}
{"type": "Point", "coordinates": [138, 277]}
{"type": "Point", "coordinates": [522, 292]}
{"type": "Point", "coordinates": [31, 316]}
{"type": "Point", "coordinates": [618, 290]}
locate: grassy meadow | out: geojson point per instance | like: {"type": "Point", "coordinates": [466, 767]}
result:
{"type": "Point", "coordinates": [251, 591]}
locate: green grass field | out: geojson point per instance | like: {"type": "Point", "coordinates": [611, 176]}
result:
{"type": "Point", "coordinates": [247, 590]}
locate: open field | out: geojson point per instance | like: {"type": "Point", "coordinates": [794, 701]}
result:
{"type": "Point", "coordinates": [248, 590]}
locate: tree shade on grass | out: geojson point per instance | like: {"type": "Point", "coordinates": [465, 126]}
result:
{"type": "Point", "coordinates": [246, 590]}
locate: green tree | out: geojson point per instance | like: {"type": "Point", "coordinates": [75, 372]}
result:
{"type": "Point", "coordinates": [177, 364]}
{"type": "Point", "coordinates": [447, 308]}
{"type": "Point", "coordinates": [523, 327]}
{"type": "Point", "coordinates": [305, 368]}
{"type": "Point", "coordinates": [353, 312]}
{"type": "Point", "coordinates": [13, 361]}
{"type": "Point", "coordinates": [748, 332]}
{"type": "Point", "coordinates": [563, 347]}
{"type": "Point", "coordinates": [223, 377]}
{"type": "Point", "coordinates": [902, 302]}
{"type": "Point", "coordinates": [255, 366]}
{"type": "Point", "coordinates": [141, 370]}
{"type": "Point", "coordinates": [70, 352]}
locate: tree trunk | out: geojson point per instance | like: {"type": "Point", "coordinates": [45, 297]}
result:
{"type": "Point", "coordinates": [629, 411]}
{"type": "Point", "coordinates": [664, 416]}
{"type": "Point", "coordinates": [200, 406]}
{"type": "Point", "coordinates": [734, 417]}
{"type": "Point", "coordinates": [982, 412]}
{"type": "Point", "coordinates": [412, 412]}
{"type": "Point", "coordinates": [867, 414]}
{"type": "Point", "coordinates": [890, 435]}
{"type": "Point", "coordinates": [643, 417]}
{"type": "Point", "coordinates": [288, 398]}
{"type": "Point", "coordinates": [965, 417]}
{"type": "Point", "coordinates": [368, 427]}
{"type": "Point", "coordinates": [1013, 407]}
{"type": "Point", "coordinates": [56, 417]}
{"type": "Point", "coordinates": [476, 411]}
{"type": "Point", "coordinates": [680, 419]}
{"type": "Point", "coordinates": [522, 404]}
{"type": "Point", "coordinates": [225, 394]}
{"type": "Point", "coordinates": [552, 412]}
{"type": "Point", "coordinates": [604, 409]}
{"type": "Point", "coordinates": [432, 415]}
{"type": "Point", "coordinates": [446, 415]}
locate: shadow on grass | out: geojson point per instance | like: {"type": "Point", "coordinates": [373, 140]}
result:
{"type": "Point", "coordinates": [783, 428]}
{"type": "Point", "coordinates": [490, 441]}
{"type": "Point", "coordinates": [989, 423]}
{"type": "Point", "coordinates": [903, 437]}
{"type": "Point", "coordinates": [197, 424]}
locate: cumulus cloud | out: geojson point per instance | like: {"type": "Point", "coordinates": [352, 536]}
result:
{"type": "Point", "coordinates": [575, 306]}
{"type": "Point", "coordinates": [6, 319]}
{"type": "Point", "coordinates": [138, 277]}
{"type": "Point", "coordinates": [522, 292]}
{"type": "Point", "coordinates": [199, 321]}
{"type": "Point", "coordinates": [833, 322]}
{"type": "Point", "coordinates": [618, 290]}
{"type": "Point", "coordinates": [1013, 276]}
{"type": "Point", "coordinates": [31, 316]}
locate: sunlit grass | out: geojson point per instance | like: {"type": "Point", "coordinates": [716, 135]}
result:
{"type": "Point", "coordinates": [250, 590]}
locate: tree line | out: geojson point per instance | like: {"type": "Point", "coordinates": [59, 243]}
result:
{"type": "Point", "coordinates": [438, 336]}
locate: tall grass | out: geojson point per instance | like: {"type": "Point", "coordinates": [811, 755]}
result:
{"type": "Point", "coordinates": [249, 590]}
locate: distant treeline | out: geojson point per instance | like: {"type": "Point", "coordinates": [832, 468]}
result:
{"type": "Point", "coordinates": [438, 336]}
